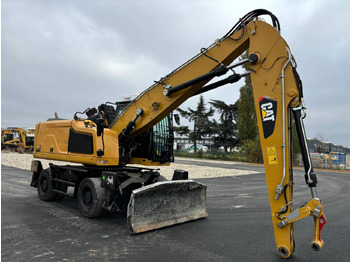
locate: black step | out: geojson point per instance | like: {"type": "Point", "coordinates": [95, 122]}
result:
{"type": "Point", "coordinates": [63, 181]}
{"type": "Point", "coordinates": [61, 192]}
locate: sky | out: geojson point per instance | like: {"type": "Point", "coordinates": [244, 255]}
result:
{"type": "Point", "coordinates": [65, 56]}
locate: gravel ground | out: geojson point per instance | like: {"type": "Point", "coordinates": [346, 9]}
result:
{"type": "Point", "coordinates": [23, 161]}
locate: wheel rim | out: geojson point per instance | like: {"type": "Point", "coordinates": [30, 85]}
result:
{"type": "Point", "coordinates": [87, 197]}
{"type": "Point", "coordinates": [44, 184]}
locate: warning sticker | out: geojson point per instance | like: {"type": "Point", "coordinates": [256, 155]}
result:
{"type": "Point", "coordinates": [272, 155]}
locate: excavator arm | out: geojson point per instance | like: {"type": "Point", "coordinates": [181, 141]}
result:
{"type": "Point", "coordinates": [278, 95]}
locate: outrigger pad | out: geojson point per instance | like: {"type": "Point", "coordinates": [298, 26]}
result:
{"type": "Point", "coordinates": [166, 203]}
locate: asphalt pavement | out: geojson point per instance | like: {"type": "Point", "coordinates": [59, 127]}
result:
{"type": "Point", "coordinates": [238, 227]}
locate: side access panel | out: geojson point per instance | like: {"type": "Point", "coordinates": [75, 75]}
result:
{"type": "Point", "coordinates": [166, 203]}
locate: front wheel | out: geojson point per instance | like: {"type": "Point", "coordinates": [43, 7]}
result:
{"type": "Point", "coordinates": [91, 197]}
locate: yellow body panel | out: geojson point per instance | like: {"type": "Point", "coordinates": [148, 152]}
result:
{"type": "Point", "coordinates": [52, 143]}
{"type": "Point", "coordinates": [52, 136]}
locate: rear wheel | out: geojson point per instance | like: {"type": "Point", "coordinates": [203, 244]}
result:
{"type": "Point", "coordinates": [45, 185]}
{"type": "Point", "coordinates": [91, 197]}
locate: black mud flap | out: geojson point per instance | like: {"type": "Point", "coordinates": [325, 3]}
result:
{"type": "Point", "coordinates": [166, 203]}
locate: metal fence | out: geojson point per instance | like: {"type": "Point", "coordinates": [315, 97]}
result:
{"type": "Point", "coordinates": [333, 160]}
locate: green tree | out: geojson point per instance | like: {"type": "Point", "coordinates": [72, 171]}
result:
{"type": "Point", "coordinates": [225, 131]}
{"type": "Point", "coordinates": [182, 130]}
{"type": "Point", "coordinates": [200, 118]}
{"type": "Point", "coordinates": [248, 133]}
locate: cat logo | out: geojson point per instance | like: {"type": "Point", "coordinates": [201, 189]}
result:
{"type": "Point", "coordinates": [268, 111]}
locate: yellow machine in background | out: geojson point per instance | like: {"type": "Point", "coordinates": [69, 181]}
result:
{"type": "Point", "coordinates": [140, 131]}
{"type": "Point", "coordinates": [9, 138]}
{"type": "Point", "coordinates": [17, 139]}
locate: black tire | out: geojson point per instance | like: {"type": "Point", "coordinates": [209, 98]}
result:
{"type": "Point", "coordinates": [91, 197]}
{"type": "Point", "coordinates": [45, 186]}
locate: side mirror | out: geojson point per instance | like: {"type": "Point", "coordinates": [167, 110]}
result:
{"type": "Point", "coordinates": [91, 112]}
{"type": "Point", "coordinates": [177, 119]}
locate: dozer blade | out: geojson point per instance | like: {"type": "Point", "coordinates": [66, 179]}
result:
{"type": "Point", "coordinates": [166, 203]}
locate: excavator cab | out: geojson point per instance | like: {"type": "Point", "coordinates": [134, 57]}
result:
{"type": "Point", "coordinates": [155, 144]}
{"type": "Point", "coordinates": [8, 137]}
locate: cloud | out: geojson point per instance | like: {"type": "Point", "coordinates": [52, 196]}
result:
{"type": "Point", "coordinates": [66, 61]}
{"type": "Point", "coordinates": [65, 56]}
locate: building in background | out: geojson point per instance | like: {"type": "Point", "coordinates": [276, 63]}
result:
{"type": "Point", "coordinates": [323, 154]}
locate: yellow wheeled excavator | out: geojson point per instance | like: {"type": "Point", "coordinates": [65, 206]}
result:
{"type": "Point", "coordinates": [17, 139]}
{"type": "Point", "coordinates": [109, 138]}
